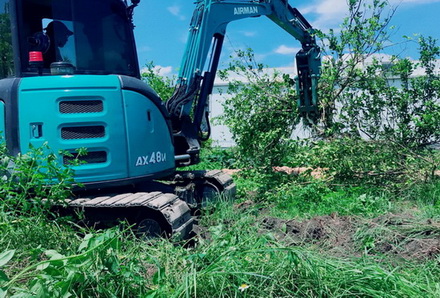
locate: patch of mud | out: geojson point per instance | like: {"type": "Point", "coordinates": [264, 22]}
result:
{"type": "Point", "coordinates": [245, 205]}
{"type": "Point", "coordinates": [332, 233]}
{"type": "Point", "coordinates": [405, 236]}
{"type": "Point", "coordinates": [399, 235]}
{"type": "Point", "coordinates": [421, 249]}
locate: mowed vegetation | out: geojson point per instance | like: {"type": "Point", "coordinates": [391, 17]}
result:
{"type": "Point", "coordinates": [353, 211]}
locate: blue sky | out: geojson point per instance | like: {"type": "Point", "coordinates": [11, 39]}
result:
{"type": "Point", "coordinates": [162, 26]}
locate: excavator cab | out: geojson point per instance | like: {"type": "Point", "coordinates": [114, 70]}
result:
{"type": "Point", "coordinates": [78, 36]}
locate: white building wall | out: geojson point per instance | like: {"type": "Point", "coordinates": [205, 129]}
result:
{"type": "Point", "coordinates": [220, 134]}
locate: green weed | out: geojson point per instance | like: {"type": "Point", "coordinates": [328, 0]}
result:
{"type": "Point", "coordinates": [231, 257]}
{"type": "Point", "coordinates": [32, 182]}
{"type": "Point", "coordinates": [97, 267]}
{"type": "Point", "coordinates": [234, 258]}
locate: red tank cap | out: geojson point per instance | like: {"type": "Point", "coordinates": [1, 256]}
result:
{"type": "Point", "coordinates": [35, 56]}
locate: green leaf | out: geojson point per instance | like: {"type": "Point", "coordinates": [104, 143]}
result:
{"type": "Point", "coordinates": [150, 294]}
{"type": "Point", "coordinates": [39, 289]}
{"type": "Point", "coordinates": [53, 254]}
{"type": "Point", "coordinates": [159, 276]}
{"type": "Point", "coordinates": [6, 256]}
{"type": "Point", "coordinates": [85, 243]}
{"type": "Point", "coordinates": [43, 266]}
{"type": "Point", "coordinates": [3, 276]}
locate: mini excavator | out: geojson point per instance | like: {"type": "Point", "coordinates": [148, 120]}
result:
{"type": "Point", "coordinates": [76, 83]}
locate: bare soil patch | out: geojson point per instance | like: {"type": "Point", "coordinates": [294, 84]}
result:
{"type": "Point", "coordinates": [399, 235]}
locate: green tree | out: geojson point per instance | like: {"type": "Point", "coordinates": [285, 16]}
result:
{"type": "Point", "coordinates": [261, 111]}
{"type": "Point", "coordinates": [6, 55]}
{"type": "Point", "coordinates": [163, 85]}
{"type": "Point", "coordinates": [407, 113]}
{"type": "Point", "coordinates": [357, 98]}
{"type": "Point", "coordinates": [362, 34]}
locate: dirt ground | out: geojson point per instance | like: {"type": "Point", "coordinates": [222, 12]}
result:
{"type": "Point", "coordinates": [400, 235]}
{"type": "Point", "coordinates": [396, 236]}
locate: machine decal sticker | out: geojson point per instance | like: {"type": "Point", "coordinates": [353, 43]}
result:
{"type": "Point", "coordinates": [245, 10]}
{"type": "Point", "coordinates": [153, 158]}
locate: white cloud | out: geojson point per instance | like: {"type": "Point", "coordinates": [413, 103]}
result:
{"type": "Point", "coordinates": [332, 7]}
{"type": "Point", "coordinates": [161, 70]}
{"type": "Point", "coordinates": [285, 50]}
{"type": "Point", "coordinates": [332, 12]}
{"type": "Point", "coordinates": [249, 33]}
{"type": "Point", "coordinates": [413, 1]}
{"type": "Point", "coordinates": [175, 10]}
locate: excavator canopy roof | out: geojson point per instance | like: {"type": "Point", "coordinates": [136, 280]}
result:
{"type": "Point", "coordinates": [96, 37]}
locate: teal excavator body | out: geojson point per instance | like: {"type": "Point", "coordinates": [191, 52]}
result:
{"type": "Point", "coordinates": [124, 131]}
{"type": "Point", "coordinates": [75, 83]}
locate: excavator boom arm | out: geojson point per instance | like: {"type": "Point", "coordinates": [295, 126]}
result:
{"type": "Point", "coordinates": [206, 34]}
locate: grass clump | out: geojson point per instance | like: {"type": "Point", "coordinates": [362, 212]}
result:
{"type": "Point", "coordinates": [235, 257]}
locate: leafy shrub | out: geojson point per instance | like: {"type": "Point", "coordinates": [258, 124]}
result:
{"type": "Point", "coordinates": [31, 182]}
{"type": "Point", "coordinates": [218, 158]}
{"type": "Point", "coordinates": [380, 163]}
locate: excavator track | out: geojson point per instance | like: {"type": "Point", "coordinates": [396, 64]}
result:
{"type": "Point", "coordinates": [198, 188]}
{"type": "Point", "coordinates": [157, 212]}
{"type": "Point", "coordinates": [152, 213]}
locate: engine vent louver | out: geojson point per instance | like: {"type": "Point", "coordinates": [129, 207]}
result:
{"type": "Point", "coordinates": [81, 106]}
{"type": "Point", "coordinates": [82, 132]}
{"type": "Point", "coordinates": [90, 157]}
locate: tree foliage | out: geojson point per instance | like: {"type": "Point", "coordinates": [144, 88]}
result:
{"type": "Point", "coordinates": [362, 34]}
{"type": "Point", "coordinates": [163, 85]}
{"type": "Point", "coordinates": [378, 125]}
{"type": "Point", "coordinates": [261, 112]}
{"type": "Point", "coordinates": [6, 56]}
{"type": "Point", "coordinates": [397, 101]}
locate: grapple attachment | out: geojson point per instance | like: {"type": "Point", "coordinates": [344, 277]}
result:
{"type": "Point", "coordinates": [308, 65]}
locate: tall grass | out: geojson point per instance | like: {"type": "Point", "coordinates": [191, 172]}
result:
{"type": "Point", "coordinates": [232, 256]}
